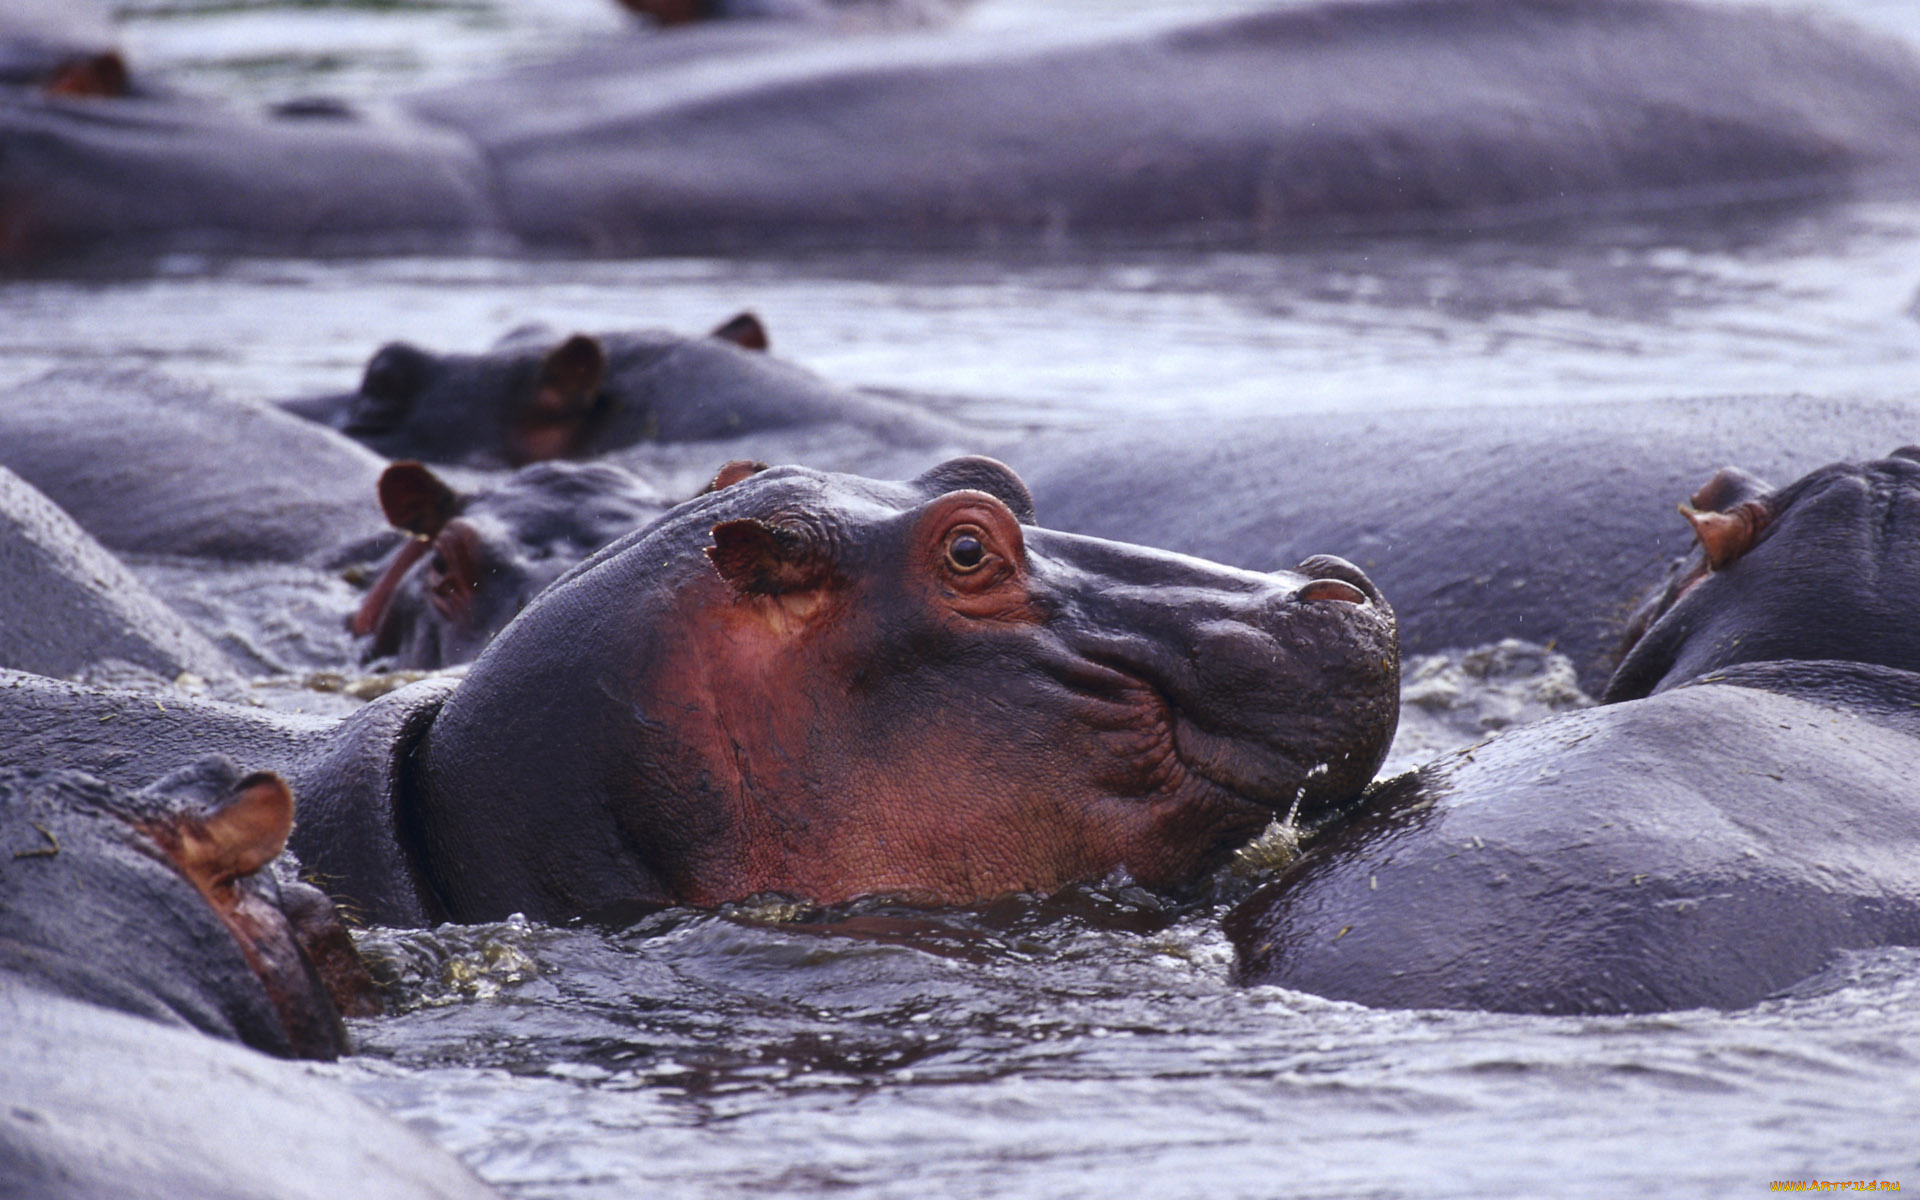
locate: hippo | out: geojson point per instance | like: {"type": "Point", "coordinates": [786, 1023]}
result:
{"type": "Point", "coordinates": [160, 903]}
{"type": "Point", "coordinates": [150, 465]}
{"type": "Point", "coordinates": [94, 173]}
{"type": "Point", "coordinates": [151, 942]}
{"type": "Point", "coordinates": [476, 559]}
{"type": "Point", "coordinates": [823, 686]}
{"type": "Point", "coordinates": [537, 396]}
{"type": "Point", "coordinates": [1306, 119]}
{"type": "Point", "coordinates": [73, 606]}
{"type": "Point", "coordinates": [1743, 808]}
{"type": "Point", "coordinates": [1538, 522]}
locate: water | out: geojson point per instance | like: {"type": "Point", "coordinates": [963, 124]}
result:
{"type": "Point", "coordinates": [1094, 1044]}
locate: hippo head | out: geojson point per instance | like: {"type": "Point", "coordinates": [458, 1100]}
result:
{"type": "Point", "coordinates": [167, 902]}
{"type": "Point", "coordinates": [828, 687]}
{"type": "Point", "coordinates": [475, 560]}
{"type": "Point", "coordinates": [1824, 568]}
{"type": "Point", "coordinates": [532, 398]}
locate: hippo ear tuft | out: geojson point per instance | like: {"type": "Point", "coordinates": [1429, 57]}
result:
{"type": "Point", "coordinates": [744, 331]}
{"type": "Point", "coordinates": [415, 499]}
{"type": "Point", "coordinates": [732, 473]}
{"type": "Point", "coordinates": [247, 830]}
{"type": "Point", "coordinates": [759, 559]}
{"type": "Point", "coordinates": [570, 377]}
{"type": "Point", "coordinates": [1726, 536]}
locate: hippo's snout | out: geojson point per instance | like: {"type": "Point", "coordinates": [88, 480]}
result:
{"type": "Point", "coordinates": [1330, 577]}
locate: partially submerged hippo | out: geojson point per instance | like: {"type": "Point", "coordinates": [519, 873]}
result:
{"type": "Point", "coordinates": [1301, 120]}
{"type": "Point", "coordinates": [1545, 523]}
{"type": "Point", "coordinates": [149, 465]}
{"type": "Point", "coordinates": [474, 560]}
{"type": "Point", "coordinates": [161, 903]}
{"type": "Point", "coordinates": [1744, 809]}
{"type": "Point", "coordinates": [93, 173]}
{"type": "Point", "coordinates": [145, 938]}
{"type": "Point", "coordinates": [1322, 117]}
{"type": "Point", "coordinates": [72, 606]}
{"type": "Point", "coordinates": [538, 396]}
{"type": "Point", "coordinates": [824, 686]}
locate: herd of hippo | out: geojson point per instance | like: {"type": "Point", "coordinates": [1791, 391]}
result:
{"type": "Point", "coordinates": [889, 664]}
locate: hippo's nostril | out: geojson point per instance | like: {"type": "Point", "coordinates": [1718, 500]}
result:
{"type": "Point", "coordinates": [1324, 568]}
{"type": "Point", "coordinates": [1331, 589]}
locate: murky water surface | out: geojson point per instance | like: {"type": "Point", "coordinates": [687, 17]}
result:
{"type": "Point", "coordinates": [1092, 1045]}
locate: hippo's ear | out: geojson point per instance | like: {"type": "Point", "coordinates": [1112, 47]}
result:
{"type": "Point", "coordinates": [1725, 536]}
{"type": "Point", "coordinates": [1730, 486]}
{"type": "Point", "coordinates": [570, 377]}
{"type": "Point", "coordinates": [759, 559]}
{"type": "Point", "coordinates": [732, 473]}
{"type": "Point", "coordinates": [744, 331]}
{"type": "Point", "coordinates": [415, 499]}
{"type": "Point", "coordinates": [247, 830]}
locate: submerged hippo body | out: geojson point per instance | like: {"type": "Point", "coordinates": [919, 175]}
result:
{"type": "Point", "coordinates": [91, 173]}
{"type": "Point", "coordinates": [1337, 116]}
{"type": "Point", "coordinates": [145, 944]}
{"type": "Point", "coordinates": [72, 606]}
{"type": "Point", "coordinates": [823, 686]}
{"type": "Point", "coordinates": [1330, 116]}
{"type": "Point", "coordinates": [537, 396]}
{"type": "Point", "coordinates": [1746, 809]}
{"type": "Point", "coordinates": [151, 466]}
{"type": "Point", "coordinates": [1539, 523]}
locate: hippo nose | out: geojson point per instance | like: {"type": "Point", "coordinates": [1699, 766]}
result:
{"type": "Point", "coordinates": [1330, 578]}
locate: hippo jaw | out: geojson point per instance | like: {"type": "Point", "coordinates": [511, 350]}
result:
{"type": "Point", "coordinates": [1279, 702]}
{"type": "Point", "coordinates": [829, 688]}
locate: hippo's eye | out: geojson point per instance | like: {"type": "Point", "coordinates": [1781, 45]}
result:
{"type": "Point", "coordinates": [965, 550]}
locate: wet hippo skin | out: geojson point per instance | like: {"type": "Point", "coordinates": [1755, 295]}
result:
{"type": "Point", "coordinates": [1544, 523]}
{"type": "Point", "coordinates": [73, 606]}
{"type": "Point", "coordinates": [823, 686]}
{"type": "Point", "coordinates": [147, 940]}
{"type": "Point", "coordinates": [538, 396]}
{"type": "Point", "coordinates": [475, 559]}
{"type": "Point", "coordinates": [1744, 809]}
{"type": "Point", "coordinates": [149, 465]}
{"type": "Point", "coordinates": [1302, 120]}
{"type": "Point", "coordinates": [1310, 118]}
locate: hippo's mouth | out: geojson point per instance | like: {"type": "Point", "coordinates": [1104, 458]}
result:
{"type": "Point", "coordinates": [1277, 738]}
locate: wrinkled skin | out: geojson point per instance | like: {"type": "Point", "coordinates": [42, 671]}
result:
{"type": "Point", "coordinates": [538, 396]}
{"type": "Point", "coordinates": [1745, 809]}
{"type": "Point", "coordinates": [825, 686]}
{"type": "Point", "coordinates": [163, 904]}
{"type": "Point", "coordinates": [829, 687]}
{"type": "Point", "coordinates": [475, 560]}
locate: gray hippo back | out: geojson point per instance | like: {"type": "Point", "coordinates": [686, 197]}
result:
{"type": "Point", "coordinates": [1745, 811]}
